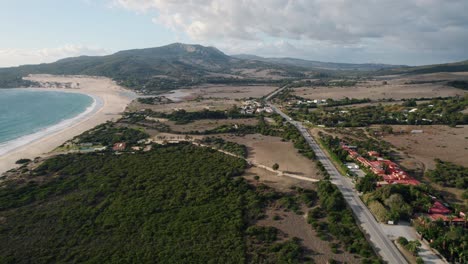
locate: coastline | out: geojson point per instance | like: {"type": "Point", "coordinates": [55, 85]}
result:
{"type": "Point", "coordinates": [12, 145]}
{"type": "Point", "coordinates": [109, 101]}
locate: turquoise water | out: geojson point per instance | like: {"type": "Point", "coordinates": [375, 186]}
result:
{"type": "Point", "coordinates": [24, 112]}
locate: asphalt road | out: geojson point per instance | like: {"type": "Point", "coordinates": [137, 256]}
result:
{"type": "Point", "coordinates": [375, 234]}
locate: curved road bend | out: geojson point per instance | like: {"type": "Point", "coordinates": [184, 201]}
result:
{"type": "Point", "coordinates": [384, 247]}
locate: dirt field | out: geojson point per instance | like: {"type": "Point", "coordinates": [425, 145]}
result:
{"type": "Point", "coordinates": [396, 88]}
{"type": "Point", "coordinates": [269, 150]}
{"type": "Point", "coordinates": [294, 225]}
{"type": "Point", "coordinates": [282, 184]}
{"type": "Point", "coordinates": [203, 125]}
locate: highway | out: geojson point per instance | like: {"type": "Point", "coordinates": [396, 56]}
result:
{"type": "Point", "coordinates": [375, 234]}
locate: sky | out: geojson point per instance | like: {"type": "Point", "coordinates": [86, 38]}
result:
{"type": "Point", "coordinates": [409, 32]}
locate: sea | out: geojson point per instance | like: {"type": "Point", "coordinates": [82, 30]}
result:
{"type": "Point", "coordinates": [28, 112]}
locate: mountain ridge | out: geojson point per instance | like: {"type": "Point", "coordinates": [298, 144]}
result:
{"type": "Point", "coordinates": [179, 65]}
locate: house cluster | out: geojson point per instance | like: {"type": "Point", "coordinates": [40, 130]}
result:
{"type": "Point", "coordinates": [391, 173]}
{"type": "Point", "coordinates": [251, 107]}
{"type": "Point", "coordinates": [313, 101]}
{"type": "Point", "coordinates": [144, 144]}
{"type": "Point", "coordinates": [440, 211]}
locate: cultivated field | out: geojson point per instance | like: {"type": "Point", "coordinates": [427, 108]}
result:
{"type": "Point", "coordinates": [396, 88]}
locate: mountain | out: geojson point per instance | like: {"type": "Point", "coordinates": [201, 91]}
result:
{"type": "Point", "coordinates": [180, 65]}
{"type": "Point", "coordinates": [165, 67]}
{"type": "Point", "coordinates": [319, 65]}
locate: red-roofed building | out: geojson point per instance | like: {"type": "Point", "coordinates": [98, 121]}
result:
{"type": "Point", "coordinates": [373, 154]}
{"type": "Point", "coordinates": [439, 208]}
{"type": "Point", "coordinates": [445, 218]}
{"type": "Point", "coordinates": [120, 146]}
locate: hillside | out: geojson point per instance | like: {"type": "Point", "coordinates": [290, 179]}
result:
{"type": "Point", "coordinates": [461, 66]}
{"type": "Point", "coordinates": [147, 70]}
{"type": "Point", "coordinates": [319, 65]}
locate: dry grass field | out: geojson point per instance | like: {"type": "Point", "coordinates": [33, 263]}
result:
{"type": "Point", "coordinates": [207, 124]}
{"type": "Point", "coordinates": [294, 225]}
{"type": "Point", "coordinates": [396, 88]}
{"type": "Point", "coordinates": [220, 91]}
{"type": "Point", "coordinates": [442, 142]}
{"type": "Point", "coordinates": [268, 150]}
{"type": "Point", "coordinates": [189, 106]}
{"type": "Point", "coordinates": [231, 92]}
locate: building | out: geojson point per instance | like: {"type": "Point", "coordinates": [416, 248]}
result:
{"type": "Point", "coordinates": [439, 208]}
{"type": "Point", "coordinates": [120, 146]}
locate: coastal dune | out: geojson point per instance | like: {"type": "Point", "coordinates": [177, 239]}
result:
{"type": "Point", "coordinates": [110, 100]}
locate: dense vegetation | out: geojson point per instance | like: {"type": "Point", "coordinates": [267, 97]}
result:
{"type": "Point", "coordinates": [184, 117]}
{"type": "Point", "coordinates": [447, 112]}
{"type": "Point", "coordinates": [449, 174]}
{"type": "Point", "coordinates": [228, 146]}
{"type": "Point", "coordinates": [167, 205]}
{"type": "Point", "coordinates": [397, 201]}
{"type": "Point", "coordinates": [154, 100]}
{"type": "Point", "coordinates": [108, 134]}
{"type": "Point", "coordinates": [459, 84]}
{"type": "Point", "coordinates": [450, 240]}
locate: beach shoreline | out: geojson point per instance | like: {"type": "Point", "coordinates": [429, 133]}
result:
{"type": "Point", "coordinates": [109, 101]}
{"type": "Point", "coordinates": [12, 145]}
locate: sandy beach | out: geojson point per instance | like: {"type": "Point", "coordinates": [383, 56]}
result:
{"type": "Point", "coordinates": [110, 101]}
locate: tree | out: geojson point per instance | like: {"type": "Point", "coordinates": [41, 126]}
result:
{"type": "Point", "coordinates": [367, 184]}
{"type": "Point", "coordinates": [402, 241]}
{"type": "Point", "coordinates": [275, 166]}
{"type": "Point", "coordinates": [413, 246]}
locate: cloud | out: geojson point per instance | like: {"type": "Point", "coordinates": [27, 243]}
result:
{"type": "Point", "coordinates": [15, 57]}
{"type": "Point", "coordinates": [404, 25]}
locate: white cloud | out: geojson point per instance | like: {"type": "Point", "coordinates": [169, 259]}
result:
{"type": "Point", "coordinates": [409, 25]}
{"type": "Point", "coordinates": [15, 57]}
